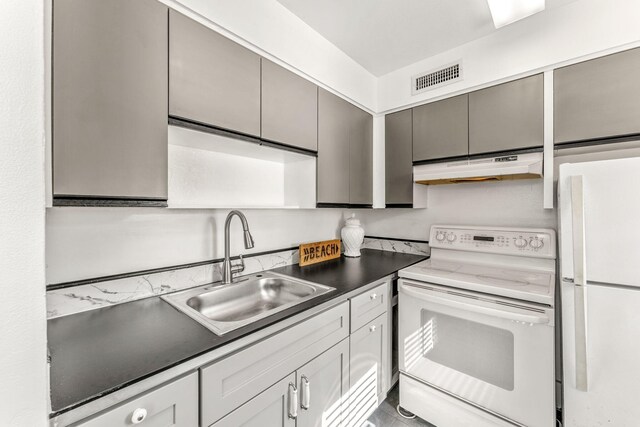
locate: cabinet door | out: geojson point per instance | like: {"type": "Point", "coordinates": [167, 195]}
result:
{"type": "Point", "coordinates": [212, 80]}
{"type": "Point", "coordinates": [441, 129]}
{"type": "Point", "coordinates": [289, 108]}
{"type": "Point", "coordinates": [398, 158]}
{"type": "Point", "coordinates": [110, 99]}
{"type": "Point", "coordinates": [368, 365]}
{"type": "Point", "coordinates": [360, 157]}
{"type": "Point", "coordinates": [507, 117]}
{"type": "Point", "coordinates": [171, 405]}
{"type": "Point", "coordinates": [271, 408]}
{"type": "Point", "coordinates": [334, 118]}
{"type": "Point", "coordinates": [323, 383]}
{"type": "Point", "coordinates": [598, 98]}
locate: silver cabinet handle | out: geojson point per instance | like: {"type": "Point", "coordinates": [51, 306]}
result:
{"type": "Point", "coordinates": [579, 281]}
{"type": "Point", "coordinates": [372, 328]}
{"type": "Point", "coordinates": [138, 416]}
{"type": "Point", "coordinates": [293, 401]}
{"type": "Point", "coordinates": [306, 393]}
{"type": "Point", "coordinates": [374, 296]}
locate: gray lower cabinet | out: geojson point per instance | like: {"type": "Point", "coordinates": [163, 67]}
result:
{"type": "Point", "coordinates": [441, 129]}
{"type": "Point", "coordinates": [212, 80]}
{"type": "Point", "coordinates": [109, 106]}
{"type": "Point", "coordinates": [398, 158]}
{"type": "Point", "coordinates": [597, 99]}
{"type": "Point", "coordinates": [345, 152]}
{"type": "Point", "coordinates": [333, 148]}
{"type": "Point", "coordinates": [171, 405]}
{"type": "Point", "coordinates": [271, 408]}
{"type": "Point", "coordinates": [368, 368]}
{"type": "Point", "coordinates": [508, 116]}
{"type": "Point", "coordinates": [360, 157]}
{"type": "Point", "coordinates": [289, 107]}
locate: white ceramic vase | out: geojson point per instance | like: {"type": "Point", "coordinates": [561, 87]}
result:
{"type": "Point", "coordinates": [352, 237]}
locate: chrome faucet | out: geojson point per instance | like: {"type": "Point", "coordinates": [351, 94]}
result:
{"type": "Point", "coordinates": [228, 270]}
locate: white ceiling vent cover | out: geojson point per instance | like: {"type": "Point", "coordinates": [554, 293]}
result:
{"type": "Point", "coordinates": [436, 78]}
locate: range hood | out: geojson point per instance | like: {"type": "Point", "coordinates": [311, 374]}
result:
{"type": "Point", "coordinates": [516, 166]}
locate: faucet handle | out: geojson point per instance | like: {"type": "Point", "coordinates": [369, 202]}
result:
{"type": "Point", "coordinates": [238, 268]}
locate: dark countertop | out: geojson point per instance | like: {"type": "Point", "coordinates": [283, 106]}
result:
{"type": "Point", "coordinates": [97, 352]}
{"type": "Point", "coordinates": [348, 274]}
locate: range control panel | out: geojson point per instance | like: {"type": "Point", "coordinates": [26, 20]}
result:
{"type": "Point", "coordinates": [509, 241]}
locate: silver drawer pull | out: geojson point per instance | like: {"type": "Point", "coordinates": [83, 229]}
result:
{"type": "Point", "coordinates": [306, 393]}
{"type": "Point", "coordinates": [372, 328]}
{"type": "Point", "coordinates": [293, 401]}
{"type": "Point", "coordinates": [139, 415]}
{"type": "Point", "coordinates": [374, 296]}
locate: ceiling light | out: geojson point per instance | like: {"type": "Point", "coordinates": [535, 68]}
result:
{"type": "Point", "coordinates": [505, 12]}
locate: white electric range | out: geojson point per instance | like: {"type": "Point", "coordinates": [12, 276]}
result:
{"type": "Point", "coordinates": [476, 328]}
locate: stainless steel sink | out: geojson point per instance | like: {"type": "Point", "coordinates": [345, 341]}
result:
{"type": "Point", "coordinates": [223, 308]}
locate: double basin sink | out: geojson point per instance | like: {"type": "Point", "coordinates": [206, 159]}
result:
{"type": "Point", "coordinates": [224, 308]}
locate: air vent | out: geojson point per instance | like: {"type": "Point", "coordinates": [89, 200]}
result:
{"type": "Point", "coordinates": [436, 78]}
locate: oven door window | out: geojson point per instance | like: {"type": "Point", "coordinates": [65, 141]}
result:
{"type": "Point", "coordinates": [478, 350]}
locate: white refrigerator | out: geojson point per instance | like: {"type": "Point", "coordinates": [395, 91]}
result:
{"type": "Point", "coordinates": [599, 237]}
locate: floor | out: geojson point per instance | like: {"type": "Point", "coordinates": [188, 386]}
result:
{"type": "Point", "coordinates": [386, 416]}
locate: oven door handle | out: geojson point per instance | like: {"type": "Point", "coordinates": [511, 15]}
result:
{"type": "Point", "coordinates": [426, 295]}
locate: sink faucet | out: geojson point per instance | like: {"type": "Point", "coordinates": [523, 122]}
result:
{"type": "Point", "coordinates": [229, 270]}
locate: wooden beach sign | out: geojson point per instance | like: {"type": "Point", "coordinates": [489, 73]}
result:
{"type": "Point", "coordinates": [313, 253]}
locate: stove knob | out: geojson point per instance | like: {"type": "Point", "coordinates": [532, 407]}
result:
{"type": "Point", "coordinates": [440, 236]}
{"type": "Point", "coordinates": [520, 242]}
{"type": "Point", "coordinates": [451, 237]}
{"type": "Point", "coordinates": [536, 243]}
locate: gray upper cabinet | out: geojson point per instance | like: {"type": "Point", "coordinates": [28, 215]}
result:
{"type": "Point", "coordinates": [398, 158]}
{"type": "Point", "coordinates": [333, 148]}
{"type": "Point", "coordinates": [598, 98]}
{"type": "Point", "coordinates": [212, 80]}
{"type": "Point", "coordinates": [441, 129]}
{"type": "Point", "coordinates": [360, 157]}
{"type": "Point", "coordinates": [110, 99]}
{"type": "Point", "coordinates": [345, 152]}
{"type": "Point", "coordinates": [506, 117]}
{"type": "Point", "coordinates": [289, 107]}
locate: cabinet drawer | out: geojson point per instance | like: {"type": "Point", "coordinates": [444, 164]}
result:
{"type": "Point", "coordinates": [369, 305]}
{"type": "Point", "coordinates": [174, 404]}
{"type": "Point", "coordinates": [230, 382]}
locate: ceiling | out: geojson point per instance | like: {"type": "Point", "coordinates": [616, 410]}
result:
{"type": "Point", "coordinates": [384, 35]}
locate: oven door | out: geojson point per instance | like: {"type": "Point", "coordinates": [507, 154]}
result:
{"type": "Point", "coordinates": [495, 353]}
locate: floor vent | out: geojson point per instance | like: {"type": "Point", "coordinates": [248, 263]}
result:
{"type": "Point", "coordinates": [436, 78]}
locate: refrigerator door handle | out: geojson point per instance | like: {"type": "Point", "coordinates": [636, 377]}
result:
{"type": "Point", "coordinates": [579, 281]}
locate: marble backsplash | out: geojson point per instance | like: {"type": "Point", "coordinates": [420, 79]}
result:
{"type": "Point", "coordinates": [75, 299]}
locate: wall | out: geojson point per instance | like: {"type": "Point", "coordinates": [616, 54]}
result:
{"type": "Point", "coordinates": [578, 29]}
{"type": "Point", "coordinates": [505, 203]}
{"type": "Point", "coordinates": [83, 243]}
{"type": "Point", "coordinates": [91, 242]}
{"type": "Point", "coordinates": [23, 369]}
